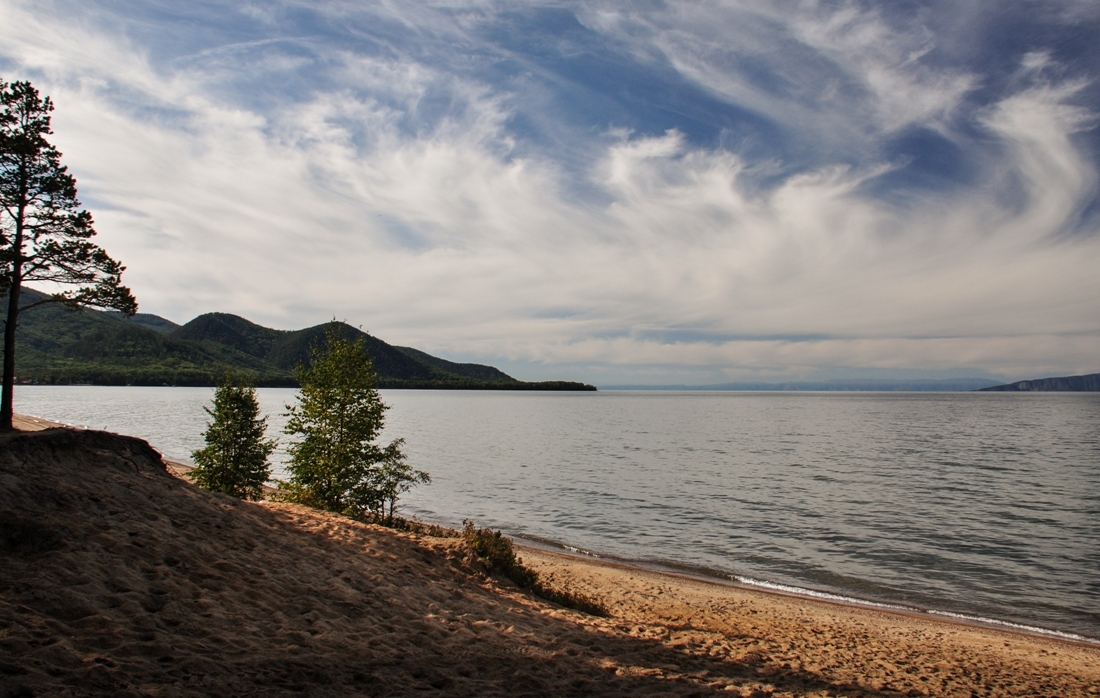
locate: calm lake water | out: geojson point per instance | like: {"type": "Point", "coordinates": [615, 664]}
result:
{"type": "Point", "coordinates": [981, 504]}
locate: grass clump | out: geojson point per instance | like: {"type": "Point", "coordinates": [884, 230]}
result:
{"type": "Point", "coordinates": [497, 553]}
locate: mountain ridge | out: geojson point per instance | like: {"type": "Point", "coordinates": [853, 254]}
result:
{"type": "Point", "coordinates": [56, 345]}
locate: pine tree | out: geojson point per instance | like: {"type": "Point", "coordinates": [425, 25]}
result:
{"type": "Point", "coordinates": [44, 234]}
{"type": "Point", "coordinates": [335, 463]}
{"type": "Point", "coordinates": [235, 459]}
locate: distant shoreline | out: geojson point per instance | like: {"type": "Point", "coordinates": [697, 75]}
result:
{"type": "Point", "coordinates": [544, 386]}
{"type": "Point", "coordinates": [1084, 383]}
{"type": "Point", "coordinates": [865, 386]}
{"type": "Point", "coordinates": [1089, 383]}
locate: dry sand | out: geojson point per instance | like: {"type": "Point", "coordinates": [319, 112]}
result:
{"type": "Point", "coordinates": [119, 578]}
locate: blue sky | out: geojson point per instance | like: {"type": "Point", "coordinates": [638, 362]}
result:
{"type": "Point", "coordinates": [617, 192]}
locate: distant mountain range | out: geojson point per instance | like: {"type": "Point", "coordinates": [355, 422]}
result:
{"type": "Point", "coordinates": [853, 384]}
{"type": "Point", "coordinates": [1078, 384]}
{"type": "Point", "coordinates": [1089, 383]}
{"type": "Point", "coordinates": [59, 346]}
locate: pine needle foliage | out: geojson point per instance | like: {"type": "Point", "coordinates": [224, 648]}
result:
{"type": "Point", "coordinates": [235, 458]}
{"type": "Point", "coordinates": [335, 463]}
{"type": "Point", "coordinates": [45, 235]}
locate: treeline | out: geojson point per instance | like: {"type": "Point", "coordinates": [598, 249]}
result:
{"type": "Point", "coordinates": [90, 374]}
{"type": "Point", "coordinates": [485, 385]}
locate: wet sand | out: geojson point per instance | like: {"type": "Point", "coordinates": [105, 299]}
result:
{"type": "Point", "coordinates": [119, 578]}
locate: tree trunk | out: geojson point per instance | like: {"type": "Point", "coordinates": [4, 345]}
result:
{"type": "Point", "coordinates": [7, 403]}
{"type": "Point", "coordinates": [7, 399]}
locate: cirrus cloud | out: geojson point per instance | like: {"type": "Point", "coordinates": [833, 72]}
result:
{"type": "Point", "coordinates": [693, 193]}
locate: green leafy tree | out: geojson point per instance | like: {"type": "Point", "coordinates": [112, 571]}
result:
{"type": "Point", "coordinates": [396, 477]}
{"type": "Point", "coordinates": [235, 459]}
{"type": "Point", "coordinates": [335, 463]}
{"type": "Point", "coordinates": [44, 234]}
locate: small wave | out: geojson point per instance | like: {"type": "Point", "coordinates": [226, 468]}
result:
{"type": "Point", "coordinates": [1021, 627]}
{"type": "Point", "coordinates": [799, 591]}
{"type": "Point", "coordinates": [580, 551]}
{"type": "Point", "coordinates": [1017, 626]}
{"type": "Point", "coordinates": [550, 544]}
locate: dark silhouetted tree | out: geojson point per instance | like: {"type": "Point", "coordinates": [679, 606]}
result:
{"type": "Point", "coordinates": [234, 460]}
{"type": "Point", "coordinates": [44, 234]}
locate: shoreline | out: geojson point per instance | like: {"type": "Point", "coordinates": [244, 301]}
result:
{"type": "Point", "coordinates": [877, 648]}
{"type": "Point", "coordinates": [721, 579]}
{"type": "Point", "coordinates": [702, 575]}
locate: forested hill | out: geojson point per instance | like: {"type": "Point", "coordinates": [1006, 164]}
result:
{"type": "Point", "coordinates": [60, 346]}
{"type": "Point", "coordinates": [1078, 384]}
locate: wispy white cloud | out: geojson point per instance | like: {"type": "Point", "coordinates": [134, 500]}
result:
{"type": "Point", "coordinates": [838, 76]}
{"type": "Point", "coordinates": [395, 190]}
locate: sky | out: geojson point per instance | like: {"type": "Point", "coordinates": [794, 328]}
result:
{"type": "Point", "coordinates": [617, 192]}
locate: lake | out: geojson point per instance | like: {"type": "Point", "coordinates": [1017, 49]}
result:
{"type": "Point", "coordinates": [985, 505]}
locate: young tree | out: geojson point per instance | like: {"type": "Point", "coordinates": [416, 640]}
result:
{"type": "Point", "coordinates": [44, 234]}
{"type": "Point", "coordinates": [335, 463]}
{"type": "Point", "coordinates": [234, 460]}
{"type": "Point", "coordinates": [396, 477]}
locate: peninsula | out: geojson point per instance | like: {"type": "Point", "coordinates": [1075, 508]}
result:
{"type": "Point", "coordinates": [1076, 384]}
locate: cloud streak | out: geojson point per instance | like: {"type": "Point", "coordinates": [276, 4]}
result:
{"type": "Point", "coordinates": [463, 178]}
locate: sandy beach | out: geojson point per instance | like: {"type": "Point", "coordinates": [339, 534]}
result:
{"type": "Point", "coordinates": [802, 644]}
{"type": "Point", "coordinates": [120, 578]}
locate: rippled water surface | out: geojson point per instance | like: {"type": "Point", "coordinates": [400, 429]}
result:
{"type": "Point", "coordinates": [986, 504]}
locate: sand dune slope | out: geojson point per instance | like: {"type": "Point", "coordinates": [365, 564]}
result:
{"type": "Point", "coordinates": [117, 578]}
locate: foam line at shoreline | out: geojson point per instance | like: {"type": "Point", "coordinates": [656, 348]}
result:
{"type": "Point", "coordinates": [764, 586]}
{"type": "Point", "coordinates": [898, 608]}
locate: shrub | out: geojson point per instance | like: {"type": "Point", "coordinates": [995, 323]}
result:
{"type": "Point", "coordinates": [499, 556]}
{"type": "Point", "coordinates": [497, 553]}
